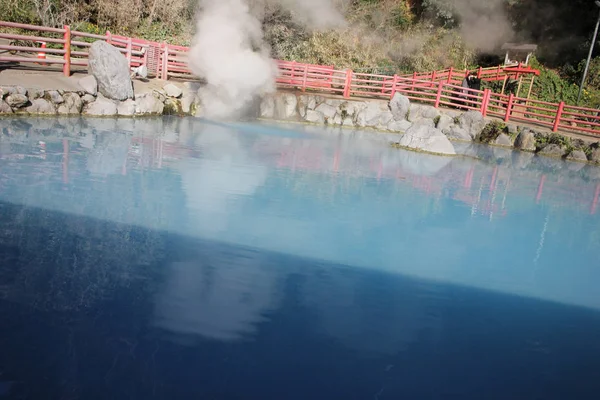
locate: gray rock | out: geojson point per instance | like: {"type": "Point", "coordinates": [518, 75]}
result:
{"type": "Point", "coordinates": [54, 97]}
{"type": "Point", "coordinates": [327, 110]}
{"type": "Point", "coordinates": [552, 150]}
{"type": "Point", "coordinates": [370, 116]}
{"type": "Point", "coordinates": [41, 106]}
{"type": "Point", "coordinates": [6, 91]}
{"type": "Point", "coordinates": [458, 133]}
{"type": "Point", "coordinates": [72, 104]}
{"type": "Point", "coordinates": [89, 84]}
{"type": "Point", "coordinates": [35, 94]}
{"type": "Point", "coordinates": [187, 100]}
{"type": "Point", "coordinates": [385, 118]}
{"type": "Point", "coordinates": [503, 140]}
{"type": "Point", "coordinates": [101, 107]}
{"type": "Point", "coordinates": [20, 90]}
{"type": "Point", "coordinates": [88, 98]}
{"type": "Point", "coordinates": [336, 120]}
{"type": "Point", "coordinates": [512, 129]}
{"type": "Point", "coordinates": [111, 70]}
{"type": "Point", "coordinates": [314, 117]}
{"type": "Point", "coordinates": [17, 100]}
{"type": "Point", "coordinates": [422, 111]}
{"type": "Point", "coordinates": [172, 107]}
{"type": "Point", "coordinates": [285, 105]}
{"type": "Point", "coordinates": [399, 106]}
{"type": "Point", "coordinates": [267, 107]}
{"type": "Point", "coordinates": [148, 104]}
{"type": "Point", "coordinates": [126, 108]}
{"type": "Point", "coordinates": [348, 121]}
{"type": "Point", "coordinates": [595, 158]}
{"type": "Point", "coordinates": [577, 155]}
{"type": "Point", "coordinates": [306, 102]}
{"type": "Point", "coordinates": [426, 138]}
{"type": "Point", "coordinates": [399, 126]}
{"type": "Point", "coordinates": [525, 140]}
{"type": "Point", "coordinates": [172, 90]}
{"type": "Point", "coordinates": [445, 122]}
{"type": "Point", "coordinates": [473, 122]}
{"type": "Point", "coordinates": [5, 108]}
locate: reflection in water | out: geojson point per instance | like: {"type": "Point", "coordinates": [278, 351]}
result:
{"type": "Point", "coordinates": [284, 262]}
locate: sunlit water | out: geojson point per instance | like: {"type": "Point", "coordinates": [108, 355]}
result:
{"type": "Point", "coordinates": [176, 259]}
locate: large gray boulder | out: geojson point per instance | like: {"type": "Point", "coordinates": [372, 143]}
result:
{"type": "Point", "coordinates": [427, 138]}
{"type": "Point", "coordinates": [399, 106]}
{"type": "Point", "coordinates": [72, 104]}
{"type": "Point", "coordinates": [54, 97]}
{"type": "Point", "coordinates": [552, 150]}
{"type": "Point", "coordinates": [314, 116]}
{"type": "Point", "coordinates": [126, 108]}
{"type": "Point", "coordinates": [419, 112]}
{"type": "Point", "coordinates": [595, 158]}
{"type": "Point", "coordinates": [399, 126]}
{"type": "Point", "coordinates": [328, 111]}
{"type": "Point", "coordinates": [111, 70]}
{"type": "Point", "coordinates": [456, 132]}
{"type": "Point", "coordinates": [577, 155]}
{"type": "Point", "coordinates": [371, 115]}
{"type": "Point", "coordinates": [148, 104]}
{"type": "Point", "coordinates": [472, 122]}
{"type": "Point", "coordinates": [172, 90]}
{"type": "Point", "coordinates": [285, 105]}
{"type": "Point", "coordinates": [41, 106]}
{"type": "Point", "coordinates": [35, 94]}
{"type": "Point", "coordinates": [101, 107]}
{"type": "Point", "coordinates": [445, 122]}
{"type": "Point", "coordinates": [17, 100]}
{"type": "Point", "coordinates": [503, 140]}
{"type": "Point", "coordinates": [525, 140]}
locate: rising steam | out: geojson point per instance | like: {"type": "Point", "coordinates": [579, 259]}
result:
{"type": "Point", "coordinates": [230, 54]}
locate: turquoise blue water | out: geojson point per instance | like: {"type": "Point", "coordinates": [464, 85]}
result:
{"type": "Point", "coordinates": [176, 258]}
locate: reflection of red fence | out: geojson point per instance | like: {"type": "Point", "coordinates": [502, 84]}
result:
{"type": "Point", "coordinates": [438, 88]}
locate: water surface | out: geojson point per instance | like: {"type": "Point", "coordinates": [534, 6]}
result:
{"type": "Point", "coordinates": [180, 259]}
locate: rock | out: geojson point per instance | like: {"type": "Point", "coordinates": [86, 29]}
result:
{"type": "Point", "coordinates": [5, 108]}
{"type": "Point", "coordinates": [172, 90]}
{"type": "Point", "coordinates": [370, 116]}
{"type": "Point", "coordinates": [111, 70]}
{"type": "Point", "coordinates": [88, 98]}
{"type": "Point", "coordinates": [336, 120]}
{"type": "Point", "coordinates": [285, 105]}
{"type": "Point", "coordinates": [54, 97]}
{"type": "Point", "coordinates": [126, 108]}
{"type": "Point", "coordinates": [426, 138]}
{"type": "Point", "coordinates": [306, 102]}
{"type": "Point", "coordinates": [148, 104]}
{"type": "Point", "coordinates": [20, 90]}
{"type": "Point", "coordinates": [525, 140]}
{"type": "Point", "coordinates": [352, 108]}
{"type": "Point", "coordinates": [552, 150]}
{"type": "Point", "coordinates": [35, 94]}
{"type": "Point", "coordinates": [472, 122]}
{"type": "Point", "coordinates": [72, 104]}
{"type": "Point", "coordinates": [595, 158]}
{"type": "Point", "coordinates": [458, 133]}
{"type": "Point", "coordinates": [577, 155]}
{"type": "Point", "coordinates": [172, 107]}
{"type": "Point", "coordinates": [385, 118]}
{"type": "Point", "coordinates": [327, 110]}
{"type": "Point", "coordinates": [422, 111]}
{"type": "Point", "coordinates": [89, 84]}
{"type": "Point", "coordinates": [503, 140]}
{"type": "Point", "coordinates": [101, 107]}
{"type": "Point", "coordinates": [6, 91]}
{"type": "Point", "coordinates": [512, 129]}
{"type": "Point", "coordinates": [445, 122]}
{"type": "Point", "coordinates": [348, 121]}
{"type": "Point", "coordinates": [314, 117]}
{"type": "Point", "coordinates": [399, 106]}
{"type": "Point", "coordinates": [399, 126]}
{"type": "Point", "coordinates": [267, 107]}
{"type": "Point", "coordinates": [41, 106]}
{"type": "Point", "coordinates": [17, 100]}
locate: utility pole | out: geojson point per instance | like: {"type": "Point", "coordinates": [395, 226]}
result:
{"type": "Point", "coordinates": [587, 63]}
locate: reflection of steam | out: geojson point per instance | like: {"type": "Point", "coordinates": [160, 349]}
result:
{"type": "Point", "coordinates": [224, 302]}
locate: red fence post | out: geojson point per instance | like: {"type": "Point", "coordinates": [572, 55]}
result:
{"type": "Point", "coordinates": [394, 83]}
{"type": "Point", "coordinates": [165, 62]}
{"type": "Point", "coordinates": [67, 48]}
{"type": "Point", "coordinates": [479, 73]}
{"type": "Point", "coordinates": [439, 94]}
{"type": "Point", "coordinates": [561, 107]}
{"type": "Point", "coordinates": [108, 37]}
{"type": "Point", "coordinates": [511, 99]}
{"type": "Point", "coordinates": [484, 101]}
{"type": "Point", "coordinates": [304, 77]}
{"type": "Point", "coordinates": [128, 48]}
{"type": "Point", "coordinates": [348, 84]}
{"type": "Point", "coordinates": [450, 72]}
{"type": "Point", "coordinates": [432, 78]}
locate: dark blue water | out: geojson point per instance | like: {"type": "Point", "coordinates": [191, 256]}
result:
{"type": "Point", "coordinates": [176, 259]}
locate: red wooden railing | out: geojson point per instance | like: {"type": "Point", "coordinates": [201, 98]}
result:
{"type": "Point", "coordinates": [439, 88]}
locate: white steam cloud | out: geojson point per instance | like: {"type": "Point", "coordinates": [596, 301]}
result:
{"type": "Point", "coordinates": [229, 51]}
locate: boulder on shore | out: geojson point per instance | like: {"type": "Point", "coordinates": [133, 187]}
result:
{"type": "Point", "coordinates": [427, 138]}
{"type": "Point", "coordinates": [111, 70]}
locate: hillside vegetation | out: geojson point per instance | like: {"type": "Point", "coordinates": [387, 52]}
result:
{"type": "Point", "coordinates": [382, 36]}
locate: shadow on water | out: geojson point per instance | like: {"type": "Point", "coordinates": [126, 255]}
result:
{"type": "Point", "coordinates": [170, 258]}
{"type": "Point", "coordinates": [94, 309]}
